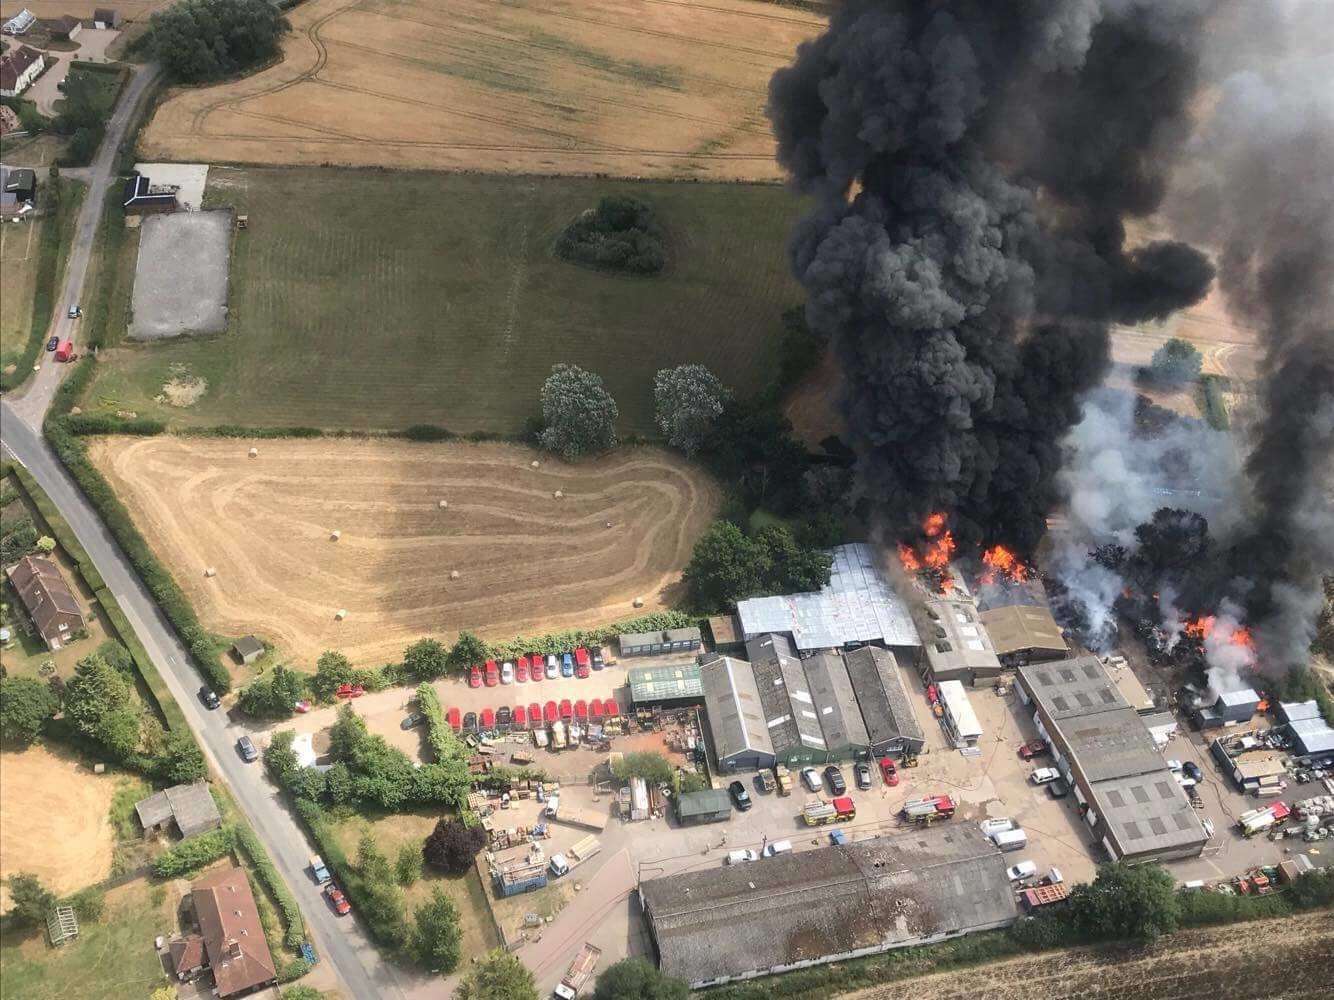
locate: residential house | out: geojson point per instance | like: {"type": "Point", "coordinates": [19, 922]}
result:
{"type": "Point", "coordinates": [230, 941]}
{"type": "Point", "coordinates": [48, 599]}
{"type": "Point", "coordinates": [18, 68]}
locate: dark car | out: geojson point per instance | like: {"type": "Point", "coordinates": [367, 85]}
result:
{"type": "Point", "coordinates": [835, 778]}
{"type": "Point", "coordinates": [247, 750]}
{"type": "Point", "coordinates": [209, 697]}
{"type": "Point", "coordinates": [412, 721]}
{"type": "Point", "coordinates": [598, 663]}
{"type": "Point", "coordinates": [470, 721]}
{"type": "Point", "coordinates": [1058, 789]}
{"type": "Point", "coordinates": [1192, 771]}
{"type": "Point", "coordinates": [53, 343]}
{"type": "Point", "coordinates": [862, 772]}
{"type": "Point", "coordinates": [739, 795]}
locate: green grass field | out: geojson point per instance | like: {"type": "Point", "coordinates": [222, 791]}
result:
{"type": "Point", "coordinates": [362, 299]}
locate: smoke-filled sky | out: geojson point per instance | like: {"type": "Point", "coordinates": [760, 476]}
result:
{"type": "Point", "coordinates": [973, 163]}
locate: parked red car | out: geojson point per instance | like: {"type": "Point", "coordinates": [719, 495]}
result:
{"type": "Point", "coordinates": [535, 715]}
{"type": "Point", "coordinates": [550, 712]}
{"type": "Point", "coordinates": [582, 670]}
{"type": "Point", "coordinates": [520, 716]}
{"type": "Point", "coordinates": [889, 772]}
{"type": "Point", "coordinates": [521, 670]}
{"type": "Point", "coordinates": [488, 720]}
{"type": "Point", "coordinates": [455, 719]}
{"type": "Point", "coordinates": [595, 709]}
{"type": "Point", "coordinates": [475, 677]}
{"type": "Point", "coordinates": [350, 691]}
{"type": "Point", "coordinates": [610, 707]}
{"type": "Point", "coordinates": [581, 709]}
{"type": "Point", "coordinates": [338, 901]}
{"type": "Point", "coordinates": [932, 694]}
{"type": "Point", "coordinates": [492, 674]}
{"type": "Point", "coordinates": [566, 709]}
{"type": "Point", "coordinates": [1033, 748]}
{"type": "Point", "coordinates": [536, 664]}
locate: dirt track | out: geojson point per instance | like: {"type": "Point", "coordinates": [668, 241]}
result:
{"type": "Point", "coordinates": [53, 820]}
{"type": "Point", "coordinates": [1289, 958]}
{"type": "Point", "coordinates": [526, 561]}
{"type": "Point", "coordinates": [660, 88]}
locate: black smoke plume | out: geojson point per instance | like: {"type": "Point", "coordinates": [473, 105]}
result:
{"type": "Point", "coordinates": [972, 163]}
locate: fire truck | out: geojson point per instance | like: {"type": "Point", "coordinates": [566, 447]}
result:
{"type": "Point", "coordinates": [929, 809]}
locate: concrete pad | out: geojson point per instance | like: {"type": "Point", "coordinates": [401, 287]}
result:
{"type": "Point", "coordinates": [180, 280]}
{"type": "Point", "coordinates": [189, 179]}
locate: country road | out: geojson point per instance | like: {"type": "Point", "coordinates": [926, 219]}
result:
{"type": "Point", "coordinates": [340, 942]}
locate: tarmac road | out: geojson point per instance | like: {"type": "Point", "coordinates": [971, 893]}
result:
{"type": "Point", "coordinates": [340, 942]}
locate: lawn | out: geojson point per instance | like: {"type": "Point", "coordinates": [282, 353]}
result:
{"type": "Point", "coordinates": [363, 299]}
{"type": "Point", "coordinates": [391, 833]}
{"type": "Point", "coordinates": [112, 958]}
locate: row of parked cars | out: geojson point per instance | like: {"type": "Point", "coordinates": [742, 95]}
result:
{"type": "Point", "coordinates": [531, 716]}
{"type": "Point", "coordinates": [579, 662]}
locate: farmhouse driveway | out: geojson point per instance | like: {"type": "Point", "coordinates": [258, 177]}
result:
{"type": "Point", "coordinates": [92, 48]}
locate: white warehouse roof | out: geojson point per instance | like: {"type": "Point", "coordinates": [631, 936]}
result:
{"type": "Point", "coordinates": [857, 605]}
{"type": "Point", "coordinates": [960, 709]}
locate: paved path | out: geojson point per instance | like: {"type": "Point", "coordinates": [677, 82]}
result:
{"type": "Point", "coordinates": [36, 393]}
{"type": "Point", "coordinates": [341, 943]}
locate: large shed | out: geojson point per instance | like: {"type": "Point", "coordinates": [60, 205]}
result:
{"type": "Point", "coordinates": [736, 721]}
{"type": "Point", "coordinates": [789, 711]}
{"type": "Point", "coordinates": [673, 685]}
{"type": "Point", "coordinates": [1024, 633]}
{"type": "Point", "coordinates": [711, 805]}
{"type": "Point", "coordinates": [891, 724]}
{"type": "Point", "coordinates": [836, 705]}
{"type": "Point", "coordinates": [828, 904]}
{"type": "Point", "coordinates": [190, 807]}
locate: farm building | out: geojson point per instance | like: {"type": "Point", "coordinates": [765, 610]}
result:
{"type": "Point", "coordinates": [827, 904]}
{"type": "Point", "coordinates": [674, 640]}
{"type": "Point", "coordinates": [139, 197]}
{"type": "Point", "coordinates": [1023, 633]}
{"type": "Point", "coordinates": [835, 705]}
{"type": "Point", "coordinates": [726, 633]}
{"type": "Point", "coordinates": [105, 17]}
{"type": "Point", "coordinates": [190, 807]}
{"type": "Point", "coordinates": [65, 27]}
{"type": "Point", "coordinates": [784, 693]}
{"type": "Point", "coordinates": [20, 182]}
{"type": "Point", "coordinates": [18, 69]}
{"type": "Point", "coordinates": [669, 686]}
{"type": "Point", "coordinates": [736, 722]}
{"type": "Point", "coordinates": [48, 599]}
{"type": "Point", "coordinates": [1126, 794]}
{"type": "Point", "coordinates": [857, 606]}
{"type": "Point", "coordinates": [712, 805]}
{"type": "Point", "coordinates": [20, 24]}
{"type": "Point", "coordinates": [891, 724]}
{"type": "Point", "coordinates": [230, 940]}
{"type": "Point", "coordinates": [956, 644]}
{"type": "Point", "coordinates": [1295, 711]}
{"type": "Point", "coordinates": [1312, 737]}
{"type": "Point", "coordinates": [247, 649]}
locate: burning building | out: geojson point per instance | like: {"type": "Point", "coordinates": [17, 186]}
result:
{"type": "Point", "coordinates": [955, 644]}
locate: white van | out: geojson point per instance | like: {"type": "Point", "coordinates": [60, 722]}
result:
{"type": "Point", "coordinates": [1010, 840]}
{"type": "Point", "coordinates": [741, 857]}
{"type": "Point", "coordinates": [1000, 825]}
{"type": "Point", "coordinates": [778, 847]}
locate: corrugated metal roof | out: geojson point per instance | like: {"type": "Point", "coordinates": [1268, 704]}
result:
{"type": "Point", "coordinates": [835, 702]}
{"type": "Point", "coordinates": [1022, 627]}
{"type": "Point", "coordinates": [1292, 711]}
{"type": "Point", "coordinates": [856, 606]}
{"type": "Point", "coordinates": [1234, 699]}
{"type": "Point", "coordinates": [1313, 735]}
{"type": "Point", "coordinates": [703, 803]}
{"type": "Point", "coordinates": [667, 683]}
{"type": "Point", "coordinates": [960, 709]}
{"type": "Point", "coordinates": [784, 694]}
{"type": "Point", "coordinates": [879, 688]}
{"type": "Point", "coordinates": [736, 716]}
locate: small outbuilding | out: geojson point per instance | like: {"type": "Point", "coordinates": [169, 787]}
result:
{"type": "Point", "coordinates": [669, 686]}
{"type": "Point", "coordinates": [712, 805]}
{"type": "Point", "coordinates": [190, 807]}
{"type": "Point", "coordinates": [726, 632]}
{"type": "Point", "coordinates": [64, 28]}
{"type": "Point", "coordinates": [106, 17]}
{"type": "Point", "coordinates": [675, 640]}
{"type": "Point", "coordinates": [247, 649]}
{"type": "Point", "coordinates": [139, 197]}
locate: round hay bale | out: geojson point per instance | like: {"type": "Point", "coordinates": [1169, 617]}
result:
{"type": "Point", "coordinates": [638, 602]}
{"type": "Point", "coordinates": [444, 504]}
{"type": "Point", "coordinates": [340, 614]}
{"type": "Point", "coordinates": [210, 571]}
{"type": "Point", "coordinates": [536, 463]}
{"type": "Point", "coordinates": [74, 411]}
{"type": "Point", "coordinates": [559, 495]}
{"type": "Point", "coordinates": [608, 524]}
{"type": "Point", "coordinates": [453, 574]}
{"type": "Point", "coordinates": [254, 452]}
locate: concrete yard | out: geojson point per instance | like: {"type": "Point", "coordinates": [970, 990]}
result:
{"type": "Point", "coordinates": [180, 281]}
{"type": "Point", "coordinates": [189, 179]}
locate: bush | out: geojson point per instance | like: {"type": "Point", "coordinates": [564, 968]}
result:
{"type": "Point", "coordinates": [1126, 902]}
{"type": "Point", "coordinates": [620, 234]}
{"type": "Point", "coordinates": [637, 979]}
{"type": "Point", "coordinates": [426, 659]}
{"type": "Point", "coordinates": [26, 705]}
{"type": "Point", "coordinates": [408, 865]}
{"type": "Point", "coordinates": [452, 846]}
{"type": "Point", "coordinates": [31, 899]}
{"type": "Point", "coordinates": [199, 40]}
{"type": "Point", "coordinates": [437, 939]}
{"type": "Point", "coordinates": [1175, 363]}
{"type": "Point", "coordinates": [274, 696]}
{"type": "Point", "coordinates": [19, 539]}
{"type": "Point", "coordinates": [498, 975]}
{"type": "Point", "coordinates": [88, 903]}
{"type": "Point", "coordinates": [191, 855]}
{"type": "Point", "coordinates": [294, 927]}
{"type": "Point", "coordinates": [653, 767]}
{"type": "Point", "coordinates": [292, 970]}
{"type": "Point", "coordinates": [428, 432]}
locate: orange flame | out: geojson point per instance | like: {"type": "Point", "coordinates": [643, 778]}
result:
{"type": "Point", "coordinates": [1201, 628]}
{"type": "Point", "coordinates": [1000, 561]}
{"type": "Point", "coordinates": [909, 558]}
{"type": "Point", "coordinates": [933, 525]}
{"type": "Point", "coordinates": [1242, 637]}
{"type": "Point", "coordinates": [934, 553]}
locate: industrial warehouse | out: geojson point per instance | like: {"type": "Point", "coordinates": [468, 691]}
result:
{"type": "Point", "coordinates": [827, 904]}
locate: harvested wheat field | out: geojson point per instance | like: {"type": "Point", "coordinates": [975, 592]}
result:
{"type": "Point", "coordinates": [526, 560]}
{"type": "Point", "coordinates": [1290, 958]}
{"type": "Point", "coordinates": [653, 88]}
{"type": "Point", "coordinates": [53, 820]}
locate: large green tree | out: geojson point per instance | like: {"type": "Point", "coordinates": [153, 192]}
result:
{"type": "Point", "coordinates": [452, 846]}
{"type": "Point", "coordinates": [1127, 901]}
{"type": "Point", "coordinates": [198, 40]}
{"type": "Point", "coordinates": [31, 899]}
{"type": "Point", "coordinates": [179, 761]}
{"type": "Point", "coordinates": [26, 705]}
{"type": "Point", "coordinates": [1176, 363]}
{"type": "Point", "coordinates": [273, 696]}
{"type": "Point", "coordinates": [332, 669]}
{"type": "Point", "coordinates": [498, 975]}
{"type": "Point", "coordinates": [578, 414]}
{"type": "Point", "coordinates": [653, 767]}
{"type": "Point", "coordinates": [99, 703]}
{"type": "Point", "coordinates": [636, 979]}
{"type": "Point", "coordinates": [689, 399]}
{"type": "Point", "coordinates": [426, 659]}
{"type": "Point", "coordinates": [728, 566]}
{"type": "Point", "coordinates": [437, 939]}
{"type": "Point", "coordinates": [468, 650]}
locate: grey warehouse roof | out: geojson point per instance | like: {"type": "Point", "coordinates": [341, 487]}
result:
{"type": "Point", "coordinates": [1068, 688]}
{"type": "Point", "coordinates": [879, 689]}
{"type": "Point", "coordinates": [1313, 735]}
{"type": "Point", "coordinates": [1148, 812]}
{"type": "Point", "coordinates": [856, 606]}
{"type": "Point", "coordinates": [835, 702]}
{"type": "Point", "coordinates": [736, 716]}
{"type": "Point", "coordinates": [728, 922]}
{"type": "Point", "coordinates": [789, 711]}
{"type": "Point", "coordinates": [1292, 711]}
{"type": "Point", "coordinates": [1110, 744]}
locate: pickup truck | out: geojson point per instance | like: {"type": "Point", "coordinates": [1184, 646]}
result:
{"type": "Point", "coordinates": [579, 972]}
{"type": "Point", "coordinates": [318, 869]}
